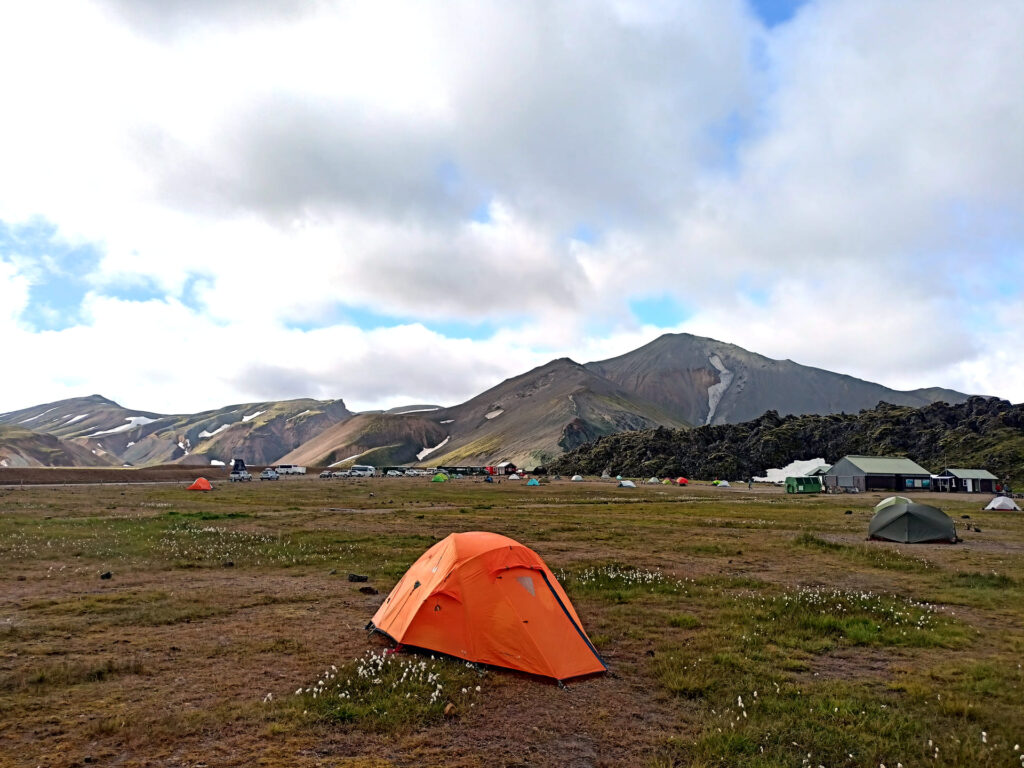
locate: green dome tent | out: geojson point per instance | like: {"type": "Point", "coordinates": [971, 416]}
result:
{"type": "Point", "coordinates": [440, 477]}
{"type": "Point", "coordinates": [890, 500]}
{"type": "Point", "coordinates": [910, 523]}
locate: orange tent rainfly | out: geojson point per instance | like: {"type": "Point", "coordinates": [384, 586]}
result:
{"type": "Point", "coordinates": [486, 598]}
{"type": "Point", "coordinates": [201, 484]}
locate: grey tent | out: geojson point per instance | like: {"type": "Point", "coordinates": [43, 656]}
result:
{"type": "Point", "coordinates": [911, 524]}
{"type": "Point", "coordinates": [890, 500]}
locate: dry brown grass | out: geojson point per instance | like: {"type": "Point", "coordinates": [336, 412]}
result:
{"type": "Point", "coordinates": [169, 661]}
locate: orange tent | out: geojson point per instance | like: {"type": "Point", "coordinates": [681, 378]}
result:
{"type": "Point", "coordinates": [201, 484]}
{"type": "Point", "coordinates": [682, 481]}
{"type": "Point", "coordinates": [486, 598]}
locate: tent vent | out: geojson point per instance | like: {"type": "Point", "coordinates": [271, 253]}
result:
{"type": "Point", "coordinates": [527, 583]}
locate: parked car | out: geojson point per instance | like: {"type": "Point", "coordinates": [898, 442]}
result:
{"type": "Point", "coordinates": [413, 473]}
{"type": "Point", "coordinates": [362, 470]}
{"type": "Point", "coordinates": [327, 473]}
{"type": "Point", "coordinates": [240, 475]}
{"type": "Point", "coordinates": [394, 473]}
{"type": "Point", "coordinates": [269, 474]}
{"type": "Point", "coordinates": [340, 473]}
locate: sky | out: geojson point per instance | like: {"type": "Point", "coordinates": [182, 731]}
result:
{"type": "Point", "coordinates": [394, 202]}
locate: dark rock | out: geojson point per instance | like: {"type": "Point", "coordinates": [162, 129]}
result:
{"type": "Point", "coordinates": [107, 575]}
{"type": "Point", "coordinates": [357, 577]}
{"type": "Point", "coordinates": [848, 512]}
{"type": "Point", "coordinates": [332, 571]}
{"type": "Point", "coordinates": [966, 517]}
{"type": "Point", "coordinates": [369, 591]}
{"type": "Point", "coordinates": [229, 564]}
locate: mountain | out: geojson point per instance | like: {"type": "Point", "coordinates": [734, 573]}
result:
{"type": "Point", "coordinates": [260, 432]}
{"type": "Point", "coordinates": [704, 381]}
{"type": "Point", "coordinates": [981, 432]}
{"type": "Point", "coordinates": [675, 381]}
{"type": "Point", "coordinates": [529, 419]}
{"type": "Point", "coordinates": [24, 448]}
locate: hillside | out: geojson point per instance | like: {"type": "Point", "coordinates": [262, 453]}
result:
{"type": "Point", "coordinates": [261, 432]}
{"type": "Point", "coordinates": [24, 448]}
{"type": "Point", "coordinates": [528, 419]}
{"type": "Point", "coordinates": [981, 432]}
{"type": "Point", "coordinates": [379, 439]}
{"type": "Point", "coordinates": [532, 418]}
{"type": "Point", "coordinates": [704, 381]}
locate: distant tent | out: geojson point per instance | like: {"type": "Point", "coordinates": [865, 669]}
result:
{"type": "Point", "coordinates": [440, 477]}
{"type": "Point", "coordinates": [1003, 502]}
{"type": "Point", "coordinates": [627, 484]}
{"type": "Point", "coordinates": [533, 481]}
{"type": "Point", "coordinates": [723, 484]}
{"type": "Point", "coordinates": [201, 484]}
{"type": "Point", "coordinates": [618, 477]}
{"type": "Point", "coordinates": [488, 599]}
{"type": "Point", "coordinates": [653, 481]}
{"type": "Point", "coordinates": [513, 476]}
{"type": "Point", "coordinates": [910, 523]}
{"type": "Point", "coordinates": [682, 481]}
{"type": "Point", "coordinates": [666, 481]}
{"type": "Point", "coordinates": [577, 478]}
{"type": "Point", "coordinates": [605, 476]}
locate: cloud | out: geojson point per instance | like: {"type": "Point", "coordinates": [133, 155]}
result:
{"type": "Point", "coordinates": [270, 171]}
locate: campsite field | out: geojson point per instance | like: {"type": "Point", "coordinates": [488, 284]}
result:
{"type": "Point", "coordinates": [741, 628]}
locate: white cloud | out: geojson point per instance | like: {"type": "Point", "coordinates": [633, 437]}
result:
{"type": "Point", "coordinates": [274, 162]}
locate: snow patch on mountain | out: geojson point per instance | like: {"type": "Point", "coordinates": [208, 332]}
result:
{"type": "Point", "coordinates": [38, 415]}
{"type": "Point", "coordinates": [221, 428]}
{"type": "Point", "coordinates": [252, 416]}
{"type": "Point", "coordinates": [715, 391]}
{"type": "Point", "coordinates": [427, 451]}
{"type": "Point", "coordinates": [133, 421]}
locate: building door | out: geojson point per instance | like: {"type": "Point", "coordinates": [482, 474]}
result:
{"type": "Point", "coordinates": [968, 485]}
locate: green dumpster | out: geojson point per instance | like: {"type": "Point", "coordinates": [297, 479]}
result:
{"type": "Point", "coordinates": [803, 485]}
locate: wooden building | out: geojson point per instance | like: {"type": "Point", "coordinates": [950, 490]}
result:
{"type": "Point", "coordinates": [966, 480]}
{"type": "Point", "coordinates": [877, 473]}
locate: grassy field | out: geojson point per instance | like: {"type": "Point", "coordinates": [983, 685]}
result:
{"type": "Point", "coordinates": [741, 628]}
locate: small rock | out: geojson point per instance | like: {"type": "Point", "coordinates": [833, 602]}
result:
{"type": "Point", "coordinates": [89, 758]}
{"type": "Point", "coordinates": [357, 577]}
{"type": "Point", "coordinates": [229, 564]}
{"type": "Point", "coordinates": [107, 575]}
{"type": "Point", "coordinates": [848, 512]}
{"type": "Point", "coordinates": [332, 571]}
{"type": "Point", "coordinates": [977, 529]}
{"type": "Point", "coordinates": [369, 591]}
{"type": "Point", "coordinates": [965, 517]}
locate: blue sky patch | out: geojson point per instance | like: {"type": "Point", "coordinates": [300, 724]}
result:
{"type": "Point", "coordinates": [141, 289]}
{"type": "Point", "coordinates": [368, 320]}
{"type": "Point", "coordinates": [660, 311]}
{"type": "Point", "coordinates": [584, 233]}
{"type": "Point", "coordinates": [775, 12]}
{"type": "Point", "coordinates": [58, 272]}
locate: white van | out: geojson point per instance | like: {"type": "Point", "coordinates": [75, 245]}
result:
{"type": "Point", "coordinates": [362, 470]}
{"type": "Point", "coordinates": [290, 469]}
